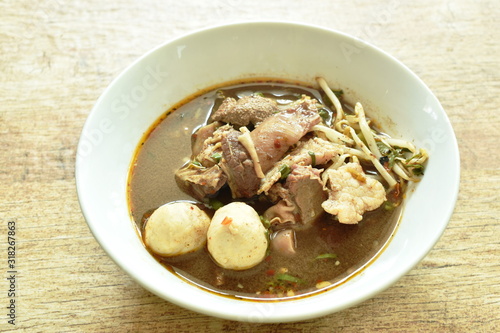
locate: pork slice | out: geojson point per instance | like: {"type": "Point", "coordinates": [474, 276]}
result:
{"type": "Point", "coordinates": [246, 110]}
{"type": "Point", "coordinates": [313, 151]}
{"type": "Point", "coordinates": [200, 182]}
{"type": "Point", "coordinates": [276, 134]}
{"type": "Point", "coordinates": [300, 198]}
{"type": "Point", "coordinates": [238, 166]}
{"type": "Point", "coordinates": [351, 193]}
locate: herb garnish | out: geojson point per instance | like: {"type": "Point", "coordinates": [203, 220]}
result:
{"type": "Point", "coordinates": [285, 171]}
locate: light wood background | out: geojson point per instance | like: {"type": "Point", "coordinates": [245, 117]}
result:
{"type": "Point", "coordinates": [57, 57]}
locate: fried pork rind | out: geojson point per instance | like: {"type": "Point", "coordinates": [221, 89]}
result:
{"type": "Point", "coordinates": [352, 193]}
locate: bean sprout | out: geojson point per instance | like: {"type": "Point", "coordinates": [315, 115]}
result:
{"type": "Point", "coordinates": [333, 98]}
{"type": "Point", "coordinates": [394, 159]}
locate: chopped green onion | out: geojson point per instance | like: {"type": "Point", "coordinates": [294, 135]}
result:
{"type": "Point", "coordinates": [396, 152]}
{"type": "Point", "coordinates": [288, 278]}
{"type": "Point", "coordinates": [313, 157]}
{"type": "Point", "coordinates": [196, 163]}
{"type": "Point", "coordinates": [258, 93]}
{"type": "Point", "coordinates": [326, 256]}
{"type": "Point", "coordinates": [390, 152]}
{"type": "Point", "coordinates": [215, 204]}
{"type": "Point", "coordinates": [217, 157]}
{"type": "Point", "coordinates": [417, 169]}
{"type": "Point", "coordinates": [285, 171]}
{"type": "Point", "coordinates": [265, 222]}
{"type": "Point", "coordinates": [416, 156]}
{"type": "Point", "coordinates": [325, 115]}
{"type": "Point", "coordinates": [383, 148]}
{"type": "Point", "coordinates": [389, 205]}
{"type": "Point", "coordinates": [338, 93]}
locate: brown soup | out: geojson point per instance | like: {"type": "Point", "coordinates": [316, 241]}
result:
{"type": "Point", "coordinates": [329, 251]}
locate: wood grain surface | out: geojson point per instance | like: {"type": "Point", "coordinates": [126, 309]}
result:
{"type": "Point", "coordinates": [58, 56]}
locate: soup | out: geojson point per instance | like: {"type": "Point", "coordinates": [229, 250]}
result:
{"type": "Point", "coordinates": [313, 195]}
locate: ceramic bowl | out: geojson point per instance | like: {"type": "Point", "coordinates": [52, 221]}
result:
{"type": "Point", "coordinates": [177, 69]}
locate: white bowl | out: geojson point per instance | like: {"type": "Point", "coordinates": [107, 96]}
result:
{"type": "Point", "coordinates": [178, 68]}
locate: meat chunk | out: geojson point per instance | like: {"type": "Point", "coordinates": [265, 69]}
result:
{"type": "Point", "coordinates": [212, 145]}
{"type": "Point", "coordinates": [247, 110]}
{"type": "Point", "coordinates": [301, 197]}
{"type": "Point", "coordinates": [313, 151]}
{"type": "Point", "coordinates": [277, 133]}
{"type": "Point", "coordinates": [269, 141]}
{"type": "Point", "coordinates": [201, 135]}
{"type": "Point", "coordinates": [352, 193]}
{"type": "Point", "coordinates": [238, 166]}
{"type": "Point", "coordinates": [200, 182]}
{"type": "Point", "coordinates": [236, 237]}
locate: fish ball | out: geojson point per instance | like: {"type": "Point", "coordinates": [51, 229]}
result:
{"type": "Point", "coordinates": [176, 228]}
{"type": "Point", "coordinates": [236, 237]}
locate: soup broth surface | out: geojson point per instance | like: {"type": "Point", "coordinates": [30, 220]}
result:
{"type": "Point", "coordinates": [329, 251]}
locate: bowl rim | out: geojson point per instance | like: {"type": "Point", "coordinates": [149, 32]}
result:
{"type": "Point", "coordinates": [233, 316]}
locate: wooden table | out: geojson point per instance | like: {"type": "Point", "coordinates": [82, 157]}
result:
{"type": "Point", "coordinates": [58, 56]}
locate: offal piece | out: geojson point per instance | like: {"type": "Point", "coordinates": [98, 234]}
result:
{"type": "Point", "coordinates": [236, 237]}
{"type": "Point", "coordinates": [300, 198]}
{"type": "Point", "coordinates": [284, 242]}
{"type": "Point", "coordinates": [282, 212]}
{"type": "Point", "coordinates": [305, 190]}
{"type": "Point", "coordinates": [176, 228]}
{"type": "Point", "coordinates": [247, 110]}
{"type": "Point", "coordinates": [352, 193]}
{"type": "Point", "coordinates": [200, 182]}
